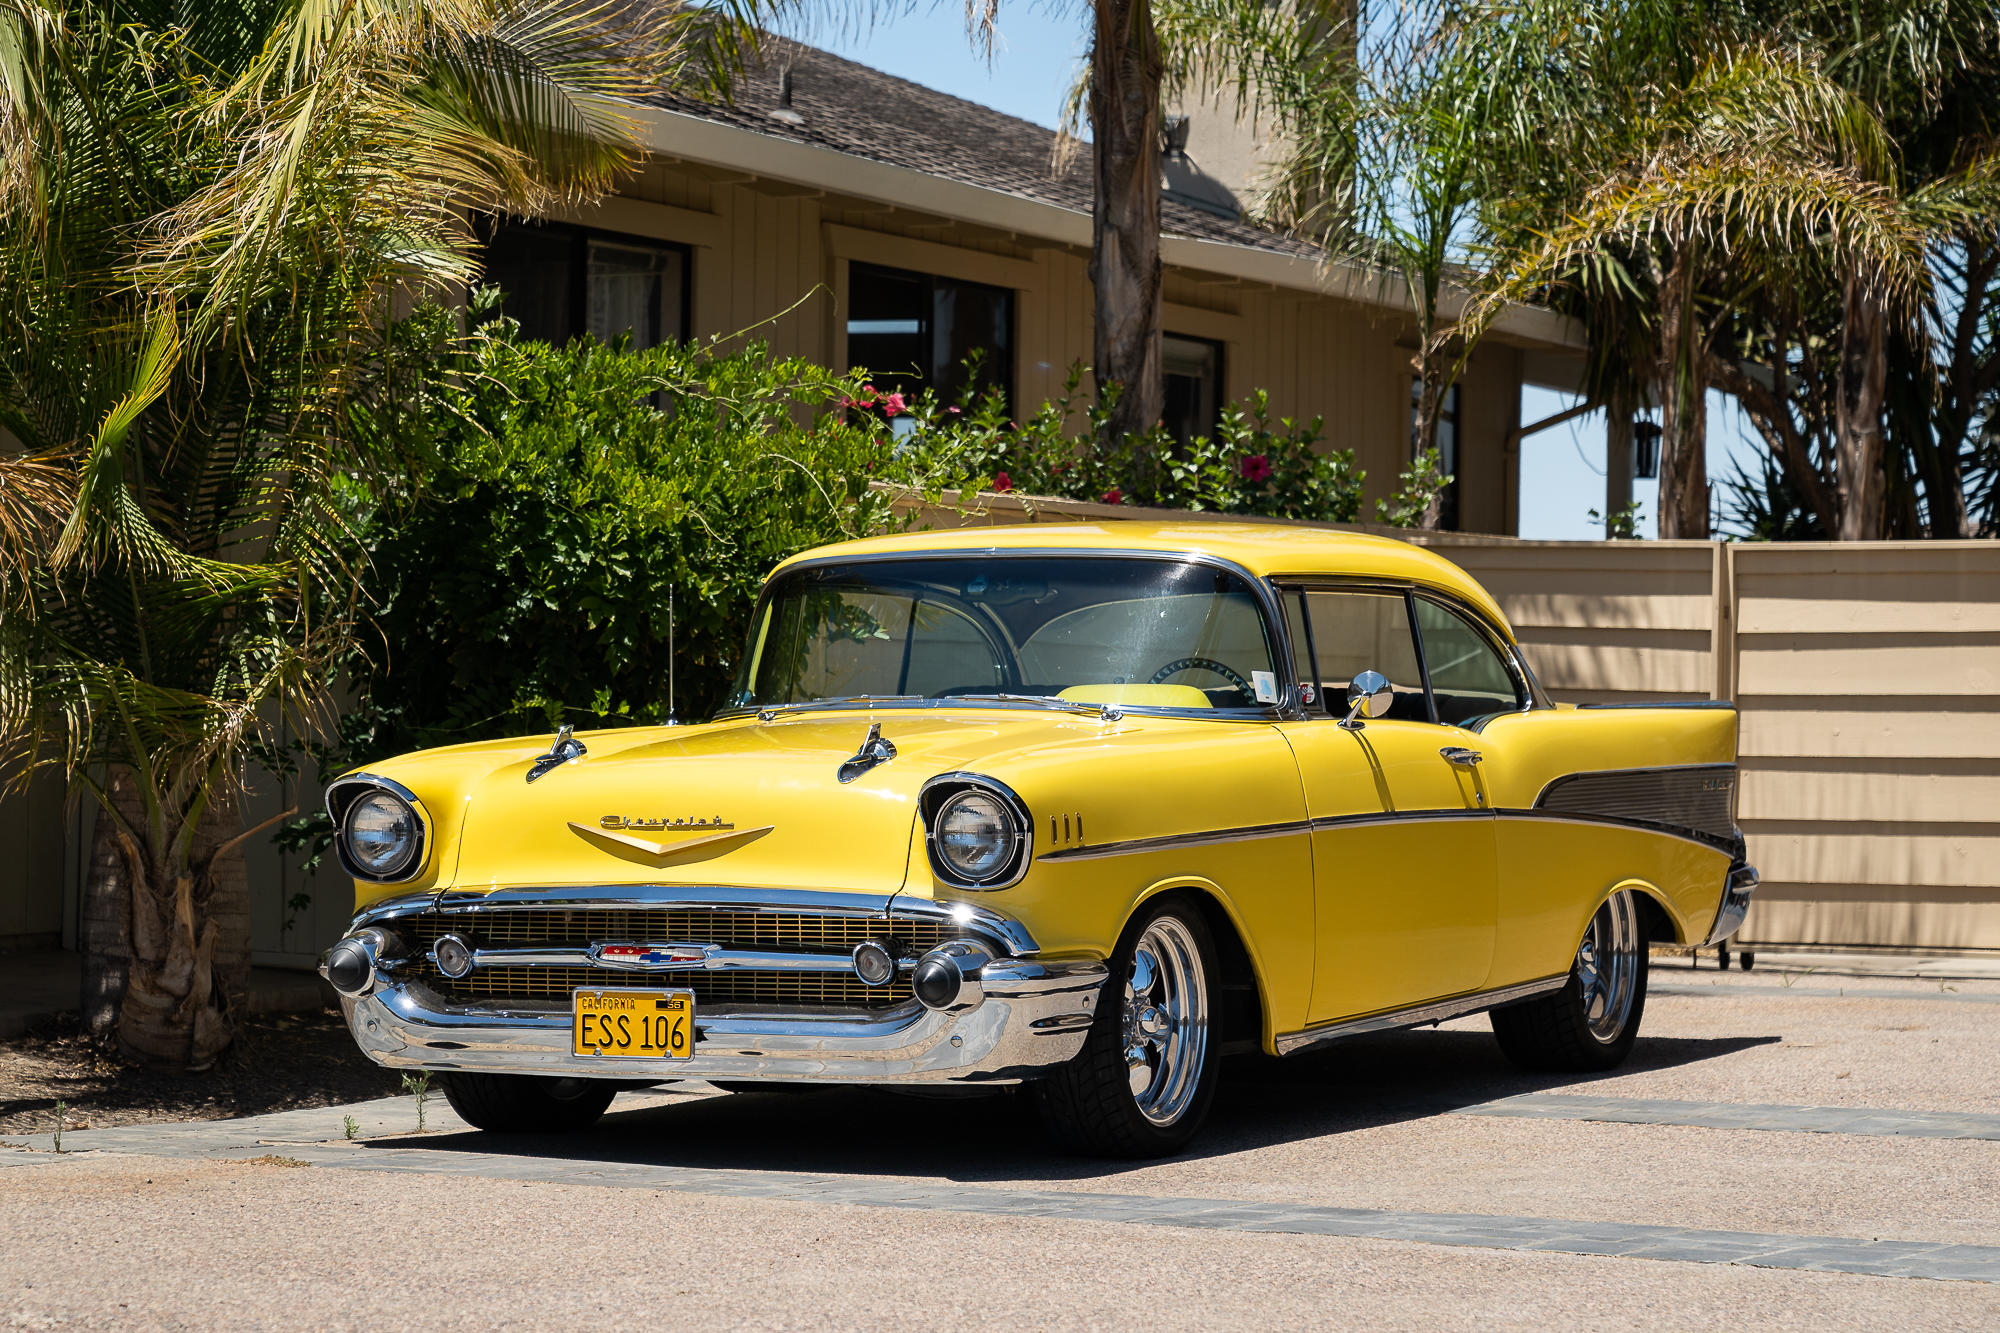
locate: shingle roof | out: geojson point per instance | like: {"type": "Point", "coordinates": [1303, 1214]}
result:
{"type": "Point", "coordinates": [851, 108]}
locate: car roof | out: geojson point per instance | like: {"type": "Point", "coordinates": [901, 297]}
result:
{"type": "Point", "coordinates": [1265, 549]}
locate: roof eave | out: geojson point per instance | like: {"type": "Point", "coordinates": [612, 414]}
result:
{"type": "Point", "coordinates": [691, 138]}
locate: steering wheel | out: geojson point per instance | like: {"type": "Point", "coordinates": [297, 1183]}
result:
{"type": "Point", "coordinates": [1179, 665]}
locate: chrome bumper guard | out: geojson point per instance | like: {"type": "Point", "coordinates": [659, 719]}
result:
{"type": "Point", "coordinates": [1735, 906]}
{"type": "Point", "coordinates": [1034, 1015]}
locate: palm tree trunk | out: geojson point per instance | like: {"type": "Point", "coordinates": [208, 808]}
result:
{"type": "Point", "coordinates": [105, 936]}
{"type": "Point", "coordinates": [1126, 68]}
{"type": "Point", "coordinates": [1683, 408]}
{"type": "Point", "coordinates": [1430, 394]}
{"type": "Point", "coordinates": [1864, 368]}
{"type": "Point", "coordinates": [188, 934]}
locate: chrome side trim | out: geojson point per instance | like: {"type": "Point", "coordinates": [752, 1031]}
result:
{"type": "Point", "coordinates": [1327, 822]}
{"type": "Point", "coordinates": [1175, 841]}
{"type": "Point", "coordinates": [1735, 904]}
{"type": "Point", "coordinates": [1669, 703]}
{"type": "Point", "coordinates": [1034, 1016]}
{"type": "Point", "coordinates": [1434, 1011]}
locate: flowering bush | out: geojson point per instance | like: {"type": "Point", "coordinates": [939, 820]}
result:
{"type": "Point", "coordinates": [1251, 465]}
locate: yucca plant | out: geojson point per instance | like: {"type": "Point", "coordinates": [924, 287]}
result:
{"type": "Point", "coordinates": [206, 211]}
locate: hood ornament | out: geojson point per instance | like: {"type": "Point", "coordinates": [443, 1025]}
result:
{"type": "Point", "coordinates": [565, 750]}
{"type": "Point", "coordinates": [874, 750]}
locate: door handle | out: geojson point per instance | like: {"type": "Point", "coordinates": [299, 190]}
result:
{"type": "Point", "coordinates": [1461, 756]}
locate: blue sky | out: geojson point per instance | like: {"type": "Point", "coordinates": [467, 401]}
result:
{"type": "Point", "coordinates": [1562, 469]}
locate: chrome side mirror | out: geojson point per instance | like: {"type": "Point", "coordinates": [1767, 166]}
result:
{"type": "Point", "coordinates": [1368, 695]}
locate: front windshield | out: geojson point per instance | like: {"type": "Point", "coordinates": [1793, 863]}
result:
{"type": "Point", "coordinates": [1154, 633]}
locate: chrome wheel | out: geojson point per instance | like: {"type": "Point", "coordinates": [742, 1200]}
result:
{"type": "Point", "coordinates": [1607, 967]}
{"type": "Point", "coordinates": [1165, 1021]}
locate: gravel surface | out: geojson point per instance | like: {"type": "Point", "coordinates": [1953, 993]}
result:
{"type": "Point", "coordinates": [280, 1061]}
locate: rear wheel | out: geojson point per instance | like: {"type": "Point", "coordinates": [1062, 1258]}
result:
{"type": "Point", "coordinates": [527, 1104]}
{"type": "Point", "coordinates": [1593, 1020]}
{"type": "Point", "coordinates": [1142, 1084]}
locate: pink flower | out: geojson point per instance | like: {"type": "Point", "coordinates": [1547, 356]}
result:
{"type": "Point", "coordinates": [1002, 482]}
{"type": "Point", "coordinates": [952, 410]}
{"type": "Point", "coordinates": [894, 404]}
{"type": "Point", "coordinates": [1254, 467]}
{"type": "Point", "coordinates": [1114, 496]}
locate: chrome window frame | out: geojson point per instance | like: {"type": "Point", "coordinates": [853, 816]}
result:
{"type": "Point", "coordinates": [1261, 590]}
{"type": "Point", "coordinates": [1528, 688]}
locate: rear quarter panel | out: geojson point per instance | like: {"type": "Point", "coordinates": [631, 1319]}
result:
{"type": "Point", "coordinates": [1555, 871]}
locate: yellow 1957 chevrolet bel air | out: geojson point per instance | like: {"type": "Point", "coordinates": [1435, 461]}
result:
{"type": "Point", "coordinates": [1083, 807]}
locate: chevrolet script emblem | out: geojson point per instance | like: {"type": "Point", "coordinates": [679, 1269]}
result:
{"type": "Point", "coordinates": [629, 822]}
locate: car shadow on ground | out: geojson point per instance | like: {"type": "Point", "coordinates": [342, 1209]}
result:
{"type": "Point", "coordinates": [1362, 1083]}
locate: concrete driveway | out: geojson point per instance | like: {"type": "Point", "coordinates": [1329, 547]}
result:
{"type": "Point", "coordinates": [1819, 1154]}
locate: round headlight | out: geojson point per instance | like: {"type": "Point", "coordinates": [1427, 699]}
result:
{"type": "Point", "coordinates": [976, 834]}
{"type": "Point", "coordinates": [380, 834]}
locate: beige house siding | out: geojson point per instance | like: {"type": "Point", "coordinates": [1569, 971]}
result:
{"type": "Point", "coordinates": [772, 261]}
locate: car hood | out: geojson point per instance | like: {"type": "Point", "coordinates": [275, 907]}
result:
{"type": "Point", "coordinates": [741, 802]}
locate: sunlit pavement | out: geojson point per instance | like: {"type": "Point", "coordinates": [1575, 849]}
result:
{"type": "Point", "coordinates": [1786, 1149]}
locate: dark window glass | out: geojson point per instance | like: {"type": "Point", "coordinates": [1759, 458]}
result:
{"type": "Point", "coordinates": [1468, 678]}
{"type": "Point", "coordinates": [1447, 446]}
{"type": "Point", "coordinates": [915, 331]}
{"type": "Point", "coordinates": [535, 270]}
{"type": "Point", "coordinates": [1193, 370]}
{"type": "Point", "coordinates": [561, 281]}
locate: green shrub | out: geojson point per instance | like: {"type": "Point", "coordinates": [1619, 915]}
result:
{"type": "Point", "coordinates": [1251, 465]}
{"type": "Point", "coordinates": [569, 497]}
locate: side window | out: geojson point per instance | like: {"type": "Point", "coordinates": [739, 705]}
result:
{"type": "Point", "coordinates": [1468, 678]}
{"type": "Point", "coordinates": [1353, 632]}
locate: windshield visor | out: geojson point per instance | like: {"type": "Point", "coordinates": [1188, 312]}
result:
{"type": "Point", "coordinates": [1126, 630]}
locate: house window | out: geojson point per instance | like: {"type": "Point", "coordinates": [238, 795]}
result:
{"type": "Point", "coordinates": [1193, 372]}
{"type": "Point", "coordinates": [561, 281]}
{"type": "Point", "coordinates": [1447, 446]}
{"type": "Point", "coordinates": [914, 331]}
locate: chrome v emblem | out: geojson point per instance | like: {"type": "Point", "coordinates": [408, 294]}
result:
{"type": "Point", "coordinates": [565, 750]}
{"type": "Point", "coordinates": [665, 849]}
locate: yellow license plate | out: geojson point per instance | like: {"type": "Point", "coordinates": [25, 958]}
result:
{"type": "Point", "coordinates": [648, 1024]}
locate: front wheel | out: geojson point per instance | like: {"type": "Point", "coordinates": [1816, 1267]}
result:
{"type": "Point", "coordinates": [1142, 1084]}
{"type": "Point", "coordinates": [527, 1104]}
{"type": "Point", "coordinates": [1591, 1023]}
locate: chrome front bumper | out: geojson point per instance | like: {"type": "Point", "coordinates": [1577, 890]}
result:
{"type": "Point", "coordinates": [1735, 906]}
{"type": "Point", "coordinates": [1034, 1015]}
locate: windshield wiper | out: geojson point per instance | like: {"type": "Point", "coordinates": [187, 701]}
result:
{"type": "Point", "coordinates": [1111, 711]}
{"type": "Point", "coordinates": [769, 711]}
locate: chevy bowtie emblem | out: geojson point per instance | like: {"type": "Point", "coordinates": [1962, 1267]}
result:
{"type": "Point", "coordinates": [650, 957]}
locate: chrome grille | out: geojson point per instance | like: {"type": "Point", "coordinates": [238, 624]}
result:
{"type": "Point", "coordinates": [579, 928]}
{"type": "Point", "coordinates": [811, 989]}
{"type": "Point", "coordinates": [536, 927]}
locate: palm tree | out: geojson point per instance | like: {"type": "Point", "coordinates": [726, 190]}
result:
{"type": "Point", "coordinates": [1143, 52]}
{"type": "Point", "coordinates": [205, 213]}
{"type": "Point", "coordinates": [1729, 184]}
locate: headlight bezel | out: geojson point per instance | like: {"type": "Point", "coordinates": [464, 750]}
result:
{"type": "Point", "coordinates": [344, 794]}
{"type": "Point", "coordinates": [939, 794]}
